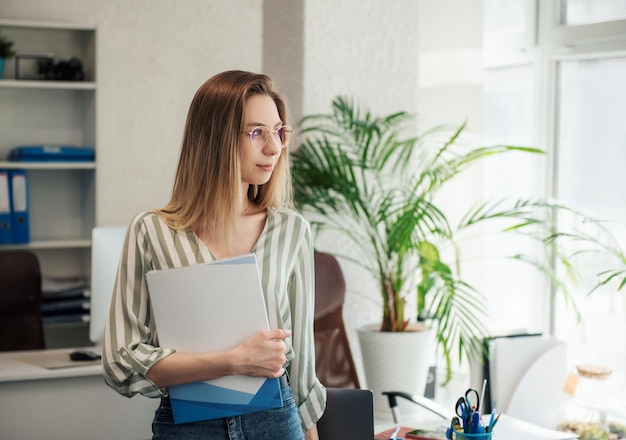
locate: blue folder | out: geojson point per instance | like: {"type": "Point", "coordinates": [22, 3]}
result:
{"type": "Point", "coordinates": [19, 206]}
{"type": "Point", "coordinates": [51, 153]}
{"type": "Point", "coordinates": [204, 401]}
{"type": "Point", "coordinates": [6, 229]}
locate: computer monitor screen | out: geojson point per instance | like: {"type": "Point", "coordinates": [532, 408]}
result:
{"type": "Point", "coordinates": [106, 247]}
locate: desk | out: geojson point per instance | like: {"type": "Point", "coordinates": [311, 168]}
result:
{"type": "Point", "coordinates": [508, 428]}
{"type": "Point", "coordinates": [66, 403]}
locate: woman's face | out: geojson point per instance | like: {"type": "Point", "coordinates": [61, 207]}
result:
{"type": "Point", "coordinates": [257, 163]}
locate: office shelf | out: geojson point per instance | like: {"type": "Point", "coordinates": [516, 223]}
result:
{"type": "Point", "coordinates": [49, 112]}
{"type": "Point", "coordinates": [50, 85]}
{"type": "Point", "coordinates": [47, 165]}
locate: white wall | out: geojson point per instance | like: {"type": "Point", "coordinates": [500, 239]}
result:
{"type": "Point", "coordinates": [367, 50]}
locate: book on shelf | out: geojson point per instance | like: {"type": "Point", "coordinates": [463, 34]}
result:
{"type": "Point", "coordinates": [67, 306]}
{"type": "Point", "coordinates": [66, 319]}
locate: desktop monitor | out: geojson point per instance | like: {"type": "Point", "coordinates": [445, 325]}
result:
{"type": "Point", "coordinates": [106, 247]}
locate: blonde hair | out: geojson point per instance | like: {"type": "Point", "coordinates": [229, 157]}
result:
{"type": "Point", "coordinates": [207, 188]}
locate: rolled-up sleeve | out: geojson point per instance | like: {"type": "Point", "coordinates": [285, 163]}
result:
{"type": "Point", "coordinates": [129, 346]}
{"type": "Point", "coordinates": [309, 392]}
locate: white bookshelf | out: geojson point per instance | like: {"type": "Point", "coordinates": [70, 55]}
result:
{"type": "Point", "coordinates": [49, 112]}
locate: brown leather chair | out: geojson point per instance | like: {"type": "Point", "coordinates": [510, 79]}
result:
{"type": "Point", "coordinates": [335, 365]}
{"type": "Point", "coordinates": [21, 324]}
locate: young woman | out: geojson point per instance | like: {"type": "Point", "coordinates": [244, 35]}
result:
{"type": "Point", "coordinates": [231, 196]}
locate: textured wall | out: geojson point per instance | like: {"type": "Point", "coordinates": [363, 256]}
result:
{"type": "Point", "coordinates": [365, 49]}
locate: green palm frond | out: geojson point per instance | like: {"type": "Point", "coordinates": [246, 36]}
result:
{"type": "Point", "coordinates": [371, 180]}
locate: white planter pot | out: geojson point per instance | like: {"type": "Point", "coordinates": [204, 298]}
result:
{"type": "Point", "coordinates": [395, 361]}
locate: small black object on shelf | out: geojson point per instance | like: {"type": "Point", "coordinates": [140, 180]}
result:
{"type": "Point", "coordinates": [48, 69]}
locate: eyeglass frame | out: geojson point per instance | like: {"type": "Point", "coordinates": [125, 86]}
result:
{"type": "Point", "coordinates": [274, 132]}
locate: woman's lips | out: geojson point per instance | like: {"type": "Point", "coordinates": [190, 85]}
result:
{"type": "Point", "coordinates": [269, 167]}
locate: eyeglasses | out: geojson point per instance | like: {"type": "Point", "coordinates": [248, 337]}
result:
{"type": "Point", "coordinates": [261, 134]}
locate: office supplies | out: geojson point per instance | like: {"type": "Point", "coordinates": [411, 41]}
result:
{"type": "Point", "coordinates": [482, 396]}
{"type": "Point", "coordinates": [19, 206]}
{"type": "Point", "coordinates": [212, 307]}
{"type": "Point", "coordinates": [461, 411]}
{"type": "Point", "coordinates": [466, 408]}
{"type": "Point", "coordinates": [492, 421]}
{"type": "Point", "coordinates": [477, 427]}
{"type": "Point", "coordinates": [472, 399]}
{"type": "Point", "coordinates": [394, 434]}
{"type": "Point", "coordinates": [349, 414]}
{"type": "Point", "coordinates": [455, 425]}
{"type": "Point", "coordinates": [6, 229]}
{"type": "Point", "coordinates": [51, 153]}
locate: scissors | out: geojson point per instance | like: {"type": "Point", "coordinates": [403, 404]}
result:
{"type": "Point", "coordinates": [472, 399]}
{"type": "Point", "coordinates": [462, 411]}
{"type": "Point", "coordinates": [467, 409]}
{"type": "Point", "coordinates": [455, 425]}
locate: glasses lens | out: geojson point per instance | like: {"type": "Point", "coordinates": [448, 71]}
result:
{"type": "Point", "coordinates": [258, 137]}
{"type": "Point", "coordinates": [285, 133]}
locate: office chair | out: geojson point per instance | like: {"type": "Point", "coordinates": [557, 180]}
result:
{"type": "Point", "coordinates": [334, 362]}
{"type": "Point", "coordinates": [21, 323]}
{"type": "Point", "coordinates": [349, 414]}
{"type": "Point", "coordinates": [422, 401]}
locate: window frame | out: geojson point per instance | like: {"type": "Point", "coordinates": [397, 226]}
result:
{"type": "Point", "coordinates": [545, 44]}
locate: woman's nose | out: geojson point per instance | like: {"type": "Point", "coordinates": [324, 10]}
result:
{"type": "Point", "coordinates": [273, 145]}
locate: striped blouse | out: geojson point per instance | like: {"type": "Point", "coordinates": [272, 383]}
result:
{"type": "Point", "coordinates": [284, 255]}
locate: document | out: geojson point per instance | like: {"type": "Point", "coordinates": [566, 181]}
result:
{"type": "Point", "coordinates": [6, 230]}
{"type": "Point", "coordinates": [212, 307]}
{"type": "Point", "coordinates": [510, 428]}
{"type": "Point", "coordinates": [19, 206]}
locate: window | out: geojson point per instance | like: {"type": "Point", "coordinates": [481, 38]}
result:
{"type": "Point", "coordinates": [562, 87]}
{"type": "Point", "coordinates": [589, 11]}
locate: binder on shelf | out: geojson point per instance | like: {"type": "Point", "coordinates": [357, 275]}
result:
{"type": "Point", "coordinates": [66, 319]}
{"type": "Point", "coordinates": [19, 206]}
{"type": "Point", "coordinates": [212, 307]}
{"type": "Point", "coordinates": [6, 230]}
{"type": "Point", "coordinates": [51, 153]}
{"type": "Point", "coordinates": [60, 289]}
{"type": "Point", "coordinates": [78, 306]}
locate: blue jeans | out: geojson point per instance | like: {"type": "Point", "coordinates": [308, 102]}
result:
{"type": "Point", "coordinates": [274, 424]}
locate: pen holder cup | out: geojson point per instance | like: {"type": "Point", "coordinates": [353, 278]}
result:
{"type": "Point", "coordinates": [459, 435]}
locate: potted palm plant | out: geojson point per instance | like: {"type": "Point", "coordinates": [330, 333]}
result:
{"type": "Point", "coordinates": [6, 52]}
{"type": "Point", "coordinates": [363, 177]}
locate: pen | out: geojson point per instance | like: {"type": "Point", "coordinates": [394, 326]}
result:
{"type": "Point", "coordinates": [493, 416]}
{"type": "Point", "coordinates": [395, 433]}
{"type": "Point", "coordinates": [475, 423]}
{"type": "Point", "coordinates": [493, 421]}
{"type": "Point", "coordinates": [482, 396]}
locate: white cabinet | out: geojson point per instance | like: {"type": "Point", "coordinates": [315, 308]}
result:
{"type": "Point", "coordinates": [53, 112]}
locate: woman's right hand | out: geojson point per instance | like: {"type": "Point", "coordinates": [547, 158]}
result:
{"type": "Point", "coordinates": [262, 355]}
